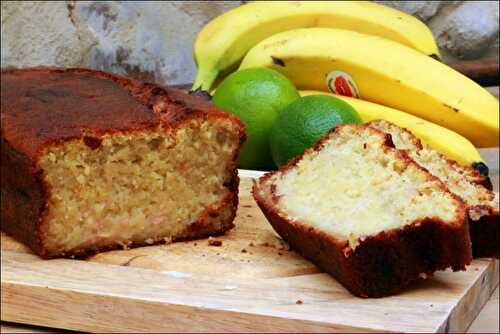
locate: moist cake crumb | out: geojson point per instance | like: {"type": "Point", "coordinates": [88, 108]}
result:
{"type": "Point", "coordinates": [91, 161]}
{"type": "Point", "coordinates": [365, 212]}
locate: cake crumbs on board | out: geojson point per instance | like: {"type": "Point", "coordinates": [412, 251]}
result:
{"type": "Point", "coordinates": [214, 242]}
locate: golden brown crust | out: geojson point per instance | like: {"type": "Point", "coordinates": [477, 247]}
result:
{"type": "Point", "coordinates": [22, 197]}
{"type": "Point", "coordinates": [46, 106]}
{"type": "Point", "coordinates": [382, 264]}
{"type": "Point", "coordinates": [100, 98]}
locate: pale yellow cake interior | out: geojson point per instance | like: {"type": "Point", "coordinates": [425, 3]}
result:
{"type": "Point", "coordinates": [137, 187]}
{"type": "Point", "coordinates": [455, 177]}
{"type": "Point", "coordinates": [351, 188]}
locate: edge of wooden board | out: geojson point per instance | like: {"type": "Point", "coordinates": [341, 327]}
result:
{"type": "Point", "coordinates": [88, 296]}
{"type": "Point", "coordinates": [472, 302]}
{"type": "Point", "coordinates": [106, 298]}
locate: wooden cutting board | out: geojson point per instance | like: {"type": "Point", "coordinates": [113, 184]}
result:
{"type": "Point", "coordinates": [251, 283]}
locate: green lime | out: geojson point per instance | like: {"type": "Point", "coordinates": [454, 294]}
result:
{"type": "Point", "coordinates": [256, 96]}
{"type": "Point", "coordinates": [302, 123]}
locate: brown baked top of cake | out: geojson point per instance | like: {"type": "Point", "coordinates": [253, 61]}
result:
{"type": "Point", "coordinates": [100, 96]}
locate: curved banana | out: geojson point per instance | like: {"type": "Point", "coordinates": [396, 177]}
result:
{"type": "Point", "coordinates": [223, 42]}
{"type": "Point", "coordinates": [449, 143]}
{"type": "Point", "coordinates": [381, 71]}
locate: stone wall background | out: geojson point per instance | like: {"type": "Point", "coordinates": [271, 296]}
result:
{"type": "Point", "coordinates": [153, 40]}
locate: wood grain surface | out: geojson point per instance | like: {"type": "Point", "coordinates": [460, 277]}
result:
{"type": "Point", "coordinates": [166, 288]}
{"type": "Point", "coordinates": [488, 319]}
{"type": "Point", "coordinates": [251, 283]}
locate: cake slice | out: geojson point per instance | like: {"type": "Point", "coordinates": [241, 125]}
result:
{"type": "Point", "coordinates": [92, 161]}
{"type": "Point", "coordinates": [466, 182]}
{"type": "Point", "coordinates": [366, 213]}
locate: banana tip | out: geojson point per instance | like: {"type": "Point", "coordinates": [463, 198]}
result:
{"type": "Point", "coordinates": [481, 167]}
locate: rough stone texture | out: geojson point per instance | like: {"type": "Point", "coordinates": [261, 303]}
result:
{"type": "Point", "coordinates": [468, 30]}
{"type": "Point", "coordinates": [146, 40]}
{"type": "Point", "coordinates": [493, 49]}
{"type": "Point", "coordinates": [153, 40]}
{"type": "Point", "coordinates": [463, 29]}
{"type": "Point", "coordinates": [150, 41]}
{"type": "Point", "coordinates": [424, 10]}
{"type": "Point", "coordinates": [34, 33]}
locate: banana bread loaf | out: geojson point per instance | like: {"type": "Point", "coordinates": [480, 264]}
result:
{"type": "Point", "coordinates": [366, 213]}
{"type": "Point", "coordinates": [93, 161]}
{"type": "Point", "coordinates": [466, 182]}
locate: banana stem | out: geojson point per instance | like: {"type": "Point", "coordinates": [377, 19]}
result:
{"type": "Point", "coordinates": [205, 78]}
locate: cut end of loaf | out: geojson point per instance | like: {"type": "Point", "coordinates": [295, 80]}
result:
{"type": "Point", "coordinates": [365, 212]}
{"type": "Point", "coordinates": [140, 187]}
{"type": "Point", "coordinates": [354, 187]}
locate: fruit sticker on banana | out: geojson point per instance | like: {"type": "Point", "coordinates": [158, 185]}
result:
{"type": "Point", "coordinates": [341, 83]}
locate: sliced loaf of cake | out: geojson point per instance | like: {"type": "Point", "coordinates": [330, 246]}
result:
{"type": "Point", "coordinates": [91, 161]}
{"type": "Point", "coordinates": [466, 182]}
{"type": "Point", "coordinates": [366, 213]}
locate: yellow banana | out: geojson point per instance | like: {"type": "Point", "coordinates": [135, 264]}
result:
{"type": "Point", "coordinates": [224, 41]}
{"type": "Point", "coordinates": [381, 71]}
{"type": "Point", "coordinates": [449, 143]}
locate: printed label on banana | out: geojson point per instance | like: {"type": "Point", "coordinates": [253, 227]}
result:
{"type": "Point", "coordinates": [341, 83]}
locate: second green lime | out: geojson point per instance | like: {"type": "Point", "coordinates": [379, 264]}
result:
{"type": "Point", "coordinates": [256, 96]}
{"type": "Point", "coordinates": [302, 123]}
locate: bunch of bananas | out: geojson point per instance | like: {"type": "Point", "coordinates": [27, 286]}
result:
{"type": "Point", "coordinates": [385, 58]}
